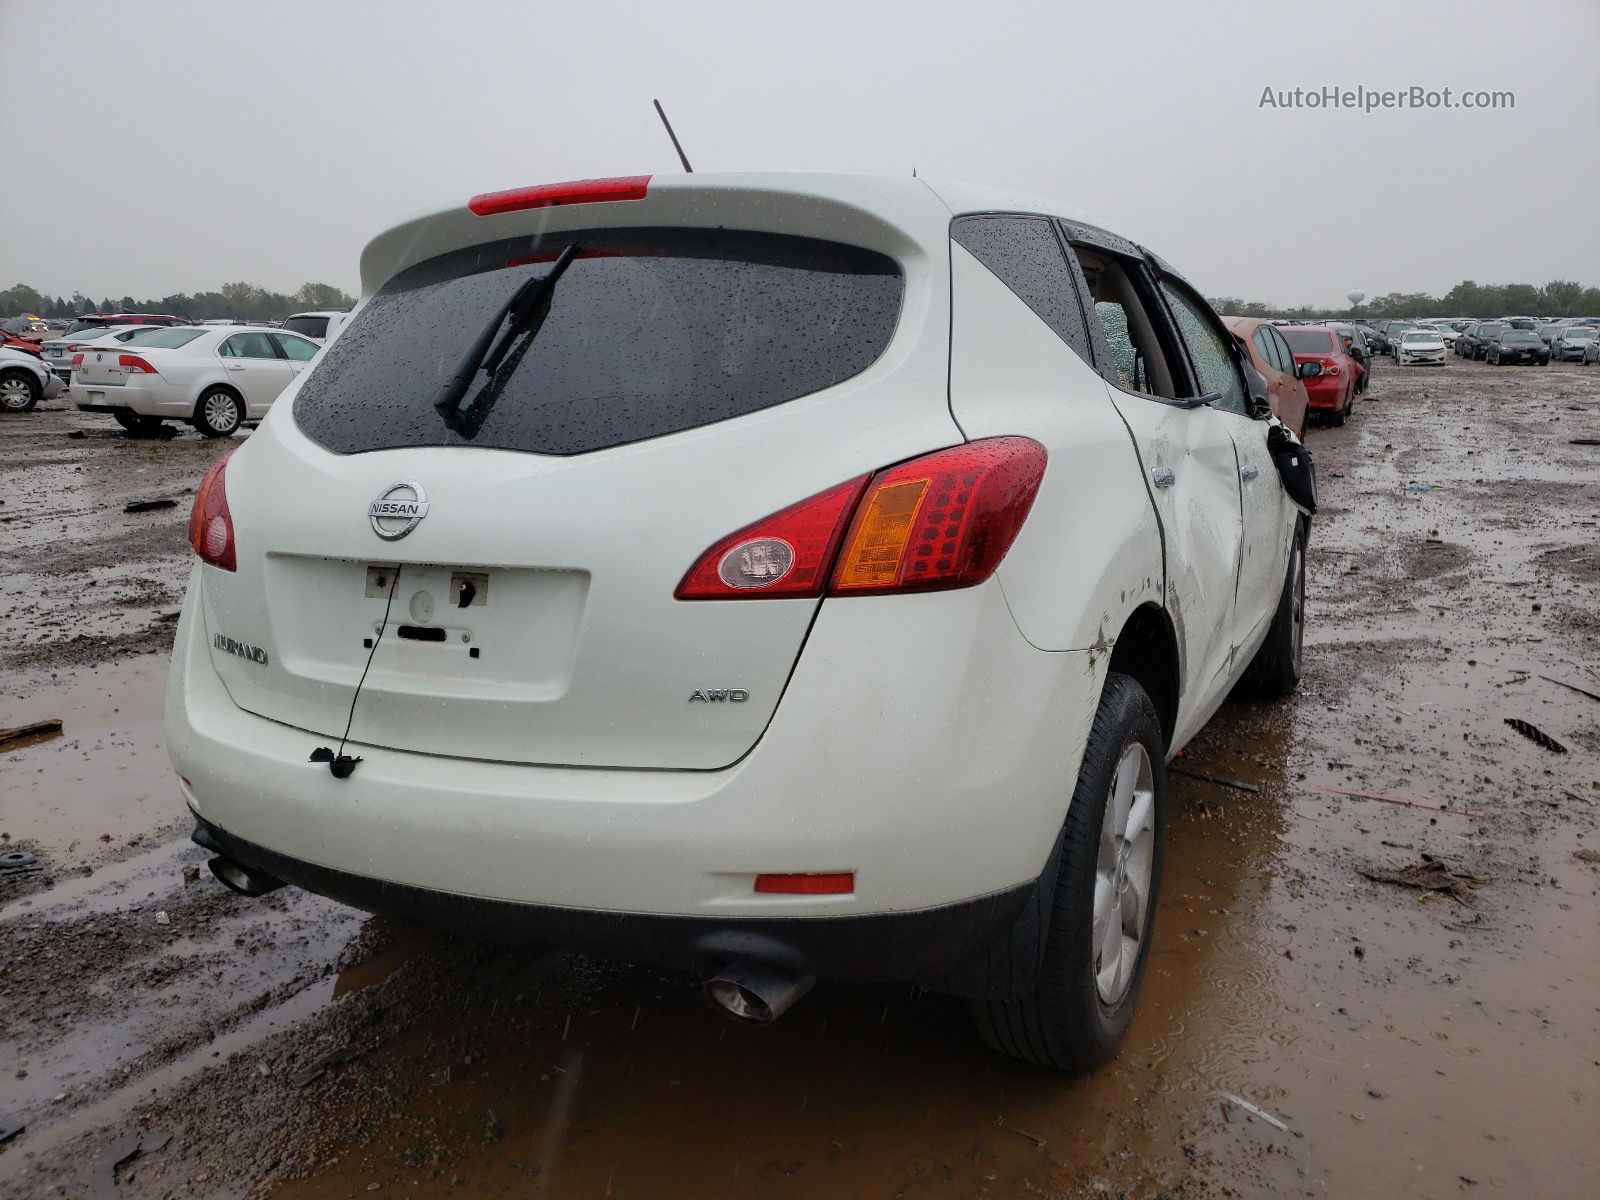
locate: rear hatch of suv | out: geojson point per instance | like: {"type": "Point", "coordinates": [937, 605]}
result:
{"type": "Point", "coordinates": [717, 350]}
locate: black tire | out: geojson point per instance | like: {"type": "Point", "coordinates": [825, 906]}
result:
{"type": "Point", "coordinates": [1060, 1018]}
{"type": "Point", "coordinates": [1340, 415]}
{"type": "Point", "coordinates": [134, 423]}
{"type": "Point", "coordinates": [1275, 670]}
{"type": "Point", "coordinates": [211, 412]}
{"type": "Point", "coordinates": [20, 392]}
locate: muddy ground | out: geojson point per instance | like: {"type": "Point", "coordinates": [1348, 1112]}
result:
{"type": "Point", "coordinates": [162, 1037]}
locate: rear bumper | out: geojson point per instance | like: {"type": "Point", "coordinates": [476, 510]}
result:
{"type": "Point", "coordinates": [920, 945]}
{"type": "Point", "coordinates": [145, 396]}
{"type": "Point", "coordinates": [940, 779]}
{"type": "Point", "coordinates": [1326, 397]}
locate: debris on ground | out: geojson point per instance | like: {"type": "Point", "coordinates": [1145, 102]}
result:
{"type": "Point", "coordinates": [1461, 812]}
{"type": "Point", "coordinates": [122, 1152]}
{"type": "Point", "coordinates": [1584, 442]}
{"type": "Point", "coordinates": [17, 861]}
{"type": "Point", "coordinates": [27, 735]}
{"type": "Point", "coordinates": [1536, 735]}
{"type": "Point", "coordinates": [1571, 687]}
{"type": "Point", "coordinates": [1234, 1100]}
{"type": "Point", "coordinates": [138, 506]}
{"type": "Point", "coordinates": [1216, 779]}
{"type": "Point", "coordinates": [9, 1128]}
{"type": "Point", "coordinates": [1431, 876]}
{"type": "Point", "coordinates": [1587, 855]}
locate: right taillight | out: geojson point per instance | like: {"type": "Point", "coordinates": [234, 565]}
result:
{"type": "Point", "coordinates": [944, 520]}
{"type": "Point", "coordinates": [77, 361]}
{"type": "Point", "coordinates": [210, 524]}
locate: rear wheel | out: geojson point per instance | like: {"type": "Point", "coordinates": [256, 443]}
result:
{"type": "Point", "coordinates": [1275, 670]}
{"type": "Point", "coordinates": [19, 391]}
{"type": "Point", "coordinates": [219, 413]}
{"type": "Point", "coordinates": [1073, 1014]}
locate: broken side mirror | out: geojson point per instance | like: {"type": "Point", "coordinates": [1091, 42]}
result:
{"type": "Point", "coordinates": [1307, 370]}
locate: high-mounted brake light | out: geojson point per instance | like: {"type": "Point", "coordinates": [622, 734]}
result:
{"type": "Point", "coordinates": [210, 523]}
{"type": "Point", "coordinates": [548, 195]}
{"type": "Point", "coordinates": [944, 520]}
{"type": "Point", "coordinates": [787, 554]}
{"type": "Point", "coordinates": [135, 364]}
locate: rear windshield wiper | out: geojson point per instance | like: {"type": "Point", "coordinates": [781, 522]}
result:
{"type": "Point", "coordinates": [526, 311]}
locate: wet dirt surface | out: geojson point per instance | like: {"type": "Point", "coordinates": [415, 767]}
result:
{"type": "Point", "coordinates": [1408, 1043]}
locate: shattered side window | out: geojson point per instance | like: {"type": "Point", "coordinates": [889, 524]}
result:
{"type": "Point", "coordinates": [1208, 351]}
{"type": "Point", "coordinates": [1128, 365]}
{"type": "Point", "coordinates": [1024, 255]}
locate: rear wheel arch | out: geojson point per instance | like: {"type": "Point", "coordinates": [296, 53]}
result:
{"type": "Point", "coordinates": [1146, 649]}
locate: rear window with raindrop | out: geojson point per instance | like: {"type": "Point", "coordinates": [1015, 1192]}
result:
{"type": "Point", "coordinates": [648, 332]}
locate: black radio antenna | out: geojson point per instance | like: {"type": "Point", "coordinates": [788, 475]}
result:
{"type": "Point", "coordinates": [662, 113]}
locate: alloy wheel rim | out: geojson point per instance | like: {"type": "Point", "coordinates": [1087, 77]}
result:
{"type": "Point", "coordinates": [1123, 870]}
{"type": "Point", "coordinates": [14, 393]}
{"type": "Point", "coordinates": [221, 412]}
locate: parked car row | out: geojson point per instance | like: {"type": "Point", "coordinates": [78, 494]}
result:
{"type": "Point", "coordinates": [144, 369]}
{"type": "Point", "coordinates": [1506, 341]}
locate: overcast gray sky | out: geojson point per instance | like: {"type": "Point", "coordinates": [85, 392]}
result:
{"type": "Point", "coordinates": [173, 145]}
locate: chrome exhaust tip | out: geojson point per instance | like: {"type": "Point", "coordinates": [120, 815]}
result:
{"type": "Point", "coordinates": [754, 993]}
{"type": "Point", "coordinates": [242, 879]}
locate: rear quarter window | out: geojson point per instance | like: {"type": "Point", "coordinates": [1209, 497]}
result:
{"type": "Point", "coordinates": [649, 332]}
{"type": "Point", "coordinates": [1025, 255]}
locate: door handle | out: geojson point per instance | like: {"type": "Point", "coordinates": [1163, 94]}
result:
{"type": "Point", "coordinates": [1163, 477]}
{"type": "Point", "coordinates": [1249, 471]}
{"type": "Point", "coordinates": [235, 366]}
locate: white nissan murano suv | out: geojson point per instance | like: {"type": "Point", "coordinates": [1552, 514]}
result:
{"type": "Point", "coordinates": [772, 576]}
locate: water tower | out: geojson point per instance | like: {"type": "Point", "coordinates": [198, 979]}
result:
{"type": "Point", "coordinates": [1355, 298]}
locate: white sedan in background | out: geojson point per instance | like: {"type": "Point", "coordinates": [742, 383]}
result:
{"type": "Point", "coordinates": [214, 377]}
{"type": "Point", "coordinates": [1420, 346]}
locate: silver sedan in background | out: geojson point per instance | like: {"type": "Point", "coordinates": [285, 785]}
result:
{"type": "Point", "coordinates": [215, 377]}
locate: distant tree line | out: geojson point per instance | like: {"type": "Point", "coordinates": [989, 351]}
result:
{"type": "Point", "coordinates": [239, 301]}
{"type": "Point", "coordinates": [1558, 298]}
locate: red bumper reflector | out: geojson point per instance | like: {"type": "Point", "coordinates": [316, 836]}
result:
{"type": "Point", "coordinates": [828, 883]}
{"type": "Point", "coordinates": [547, 195]}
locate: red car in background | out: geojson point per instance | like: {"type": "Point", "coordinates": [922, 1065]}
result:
{"type": "Point", "coordinates": [1331, 391]}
